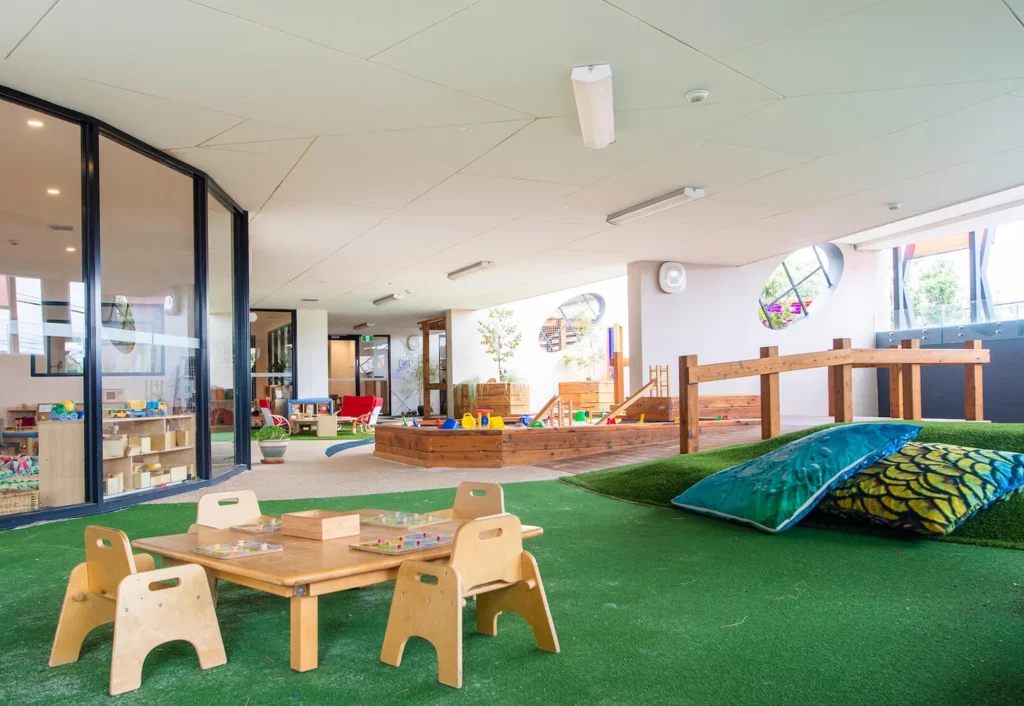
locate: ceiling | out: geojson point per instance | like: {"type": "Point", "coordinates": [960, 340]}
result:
{"type": "Point", "coordinates": [379, 145]}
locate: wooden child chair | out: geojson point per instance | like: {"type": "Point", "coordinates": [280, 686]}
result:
{"type": "Point", "coordinates": [488, 562]}
{"type": "Point", "coordinates": [227, 509]}
{"type": "Point", "coordinates": [473, 500]}
{"type": "Point", "coordinates": [147, 610]}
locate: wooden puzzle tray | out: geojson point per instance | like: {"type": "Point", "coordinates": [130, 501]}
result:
{"type": "Point", "coordinates": [406, 544]}
{"type": "Point", "coordinates": [403, 520]}
{"type": "Point", "coordinates": [239, 549]}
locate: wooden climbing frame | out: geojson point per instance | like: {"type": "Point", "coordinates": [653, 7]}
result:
{"type": "Point", "coordinates": [658, 374]}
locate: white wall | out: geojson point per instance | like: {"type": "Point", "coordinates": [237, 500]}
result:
{"type": "Point", "coordinates": [311, 356]}
{"type": "Point", "coordinates": [541, 369]}
{"type": "Point", "coordinates": [715, 318]}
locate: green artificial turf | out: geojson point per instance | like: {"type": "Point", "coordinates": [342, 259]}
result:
{"type": "Point", "coordinates": [652, 606]}
{"type": "Point", "coordinates": [657, 482]}
{"type": "Point", "coordinates": [342, 435]}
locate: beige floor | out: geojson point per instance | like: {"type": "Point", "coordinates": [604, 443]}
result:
{"type": "Point", "coordinates": [309, 473]}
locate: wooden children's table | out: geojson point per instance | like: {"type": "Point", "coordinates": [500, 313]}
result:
{"type": "Point", "coordinates": [305, 570]}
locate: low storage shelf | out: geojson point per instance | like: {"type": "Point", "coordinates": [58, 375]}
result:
{"type": "Point", "coordinates": [144, 452]}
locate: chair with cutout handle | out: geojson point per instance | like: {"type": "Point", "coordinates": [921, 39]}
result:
{"type": "Point", "coordinates": [488, 562]}
{"type": "Point", "coordinates": [225, 510]}
{"type": "Point", "coordinates": [473, 500]}
{"type": "Point", "coordinates": [147, 606]}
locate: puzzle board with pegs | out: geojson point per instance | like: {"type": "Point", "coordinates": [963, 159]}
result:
{"type": "Point", "coordinates": [404, 520]}
{"type": "Point", "coordinates": [262, 527]}
{"type": "Point", "coordinates": [415, 542]}
{"type": "Point", "coordinates": [239, 549]}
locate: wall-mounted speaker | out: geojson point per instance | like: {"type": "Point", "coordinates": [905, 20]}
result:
{"type": "Point", "coordinates": [672, 277]}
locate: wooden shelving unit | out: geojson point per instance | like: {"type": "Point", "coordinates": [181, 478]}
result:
{"type": "Point", "coordinates": [149, 426]}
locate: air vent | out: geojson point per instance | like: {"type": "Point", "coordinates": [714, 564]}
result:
{"type": "Point", "coordinates": [64, 229]}
{"type": "Point", "coordinates": [304, 299]}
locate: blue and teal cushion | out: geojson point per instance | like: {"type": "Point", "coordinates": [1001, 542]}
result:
{"type": "Point", "coordinates": [775, 491]}
{"type": "Point", "coordinates": [927, 488]}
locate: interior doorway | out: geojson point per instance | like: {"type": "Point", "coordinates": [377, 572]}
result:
{"type": "Point", "coordinates": [359, 365]}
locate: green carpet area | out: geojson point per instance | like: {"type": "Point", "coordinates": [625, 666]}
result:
{"type": "Point", "coordinates": [657, 482]}
{"type": "Point", "coordinates": [651, 606]}
{"type": "Point", "coordinates": [342, 435]}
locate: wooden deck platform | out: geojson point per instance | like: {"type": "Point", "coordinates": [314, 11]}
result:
{"type": "Point", "coordinates": [514, 446]}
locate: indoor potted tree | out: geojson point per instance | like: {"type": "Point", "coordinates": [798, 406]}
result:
{"type": "Point", "coordinates": [273, 441]}
{"type": "Point", "coordinates": [585, 358]}
{"type": "Point", "coordinates": [500, 337]}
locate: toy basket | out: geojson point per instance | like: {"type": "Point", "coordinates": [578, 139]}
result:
{"type": "Point", "coordinates": [14, 501]}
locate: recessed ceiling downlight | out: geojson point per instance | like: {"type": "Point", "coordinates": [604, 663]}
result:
{"type": "Point", "coordinates": [53, 192]}
{"type": "Point", "coordinates": [34, 123]}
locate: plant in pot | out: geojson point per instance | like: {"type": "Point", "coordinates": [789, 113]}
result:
{"type": "Point", "coordinates": [273, 441]}
{"type": "Point", "coordinates": [500, 337]}
{"type": "Point", "coordinates": [586, 356]}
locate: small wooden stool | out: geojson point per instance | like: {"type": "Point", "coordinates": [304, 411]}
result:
{"type": "Point", "coordinates": [146, 608]}
{"type": "Point", "coordinates": [488, 562]}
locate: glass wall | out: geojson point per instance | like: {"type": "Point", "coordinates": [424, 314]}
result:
{"type": "Point", "coordinates": [149, 349]}
{"type": "Point", "coordinates": [42, 314]}
{"type": "Point", "coordinates": [120, 310]}
{"type": "Point", "coordinates": [271, 342]}
{"type": "Point", "coordinates": [375, 368]}
{"type": "Point", "coordinates": [220, 287]}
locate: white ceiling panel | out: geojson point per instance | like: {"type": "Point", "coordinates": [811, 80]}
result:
{"type": "Point", "coordinates": [253, 131]}
{"type": "Point", "coordinates": [162, 123]}
{"type": "Point", "coordinates": [389, 169]}
{"type": "Point", "coordinates": [19, 17]}
{"type": "Point", "coordinates": [322, 226]}
{"type": "Point", "coordinates": [522, 53]}
{"type": "Point", "coordinates": [249, 178]}
{"type": "Point", "coordinates": [981, 130]}
{"type": "Point", "coordinates": [260, 73]}
{"type": "Point", "coordinates": [551, 149]}
{"type": "Point", "coordinates": [714, 167]}
{"type": "Point", "coordinates": [465, 206]}
{"type": "Point", "coordinates": [892, 44]}
{"type": "Point", "coordinates": [294, 147]}
{"type": "Point", "coordinates": [718, 28]}
{"type": "Point", "coordinates": [809, 124]}
{"type": "Point", "coordinates": [352, 26]}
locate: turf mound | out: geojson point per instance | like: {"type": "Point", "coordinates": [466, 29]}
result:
{"type": "Point", "coordinates": [657, 482]}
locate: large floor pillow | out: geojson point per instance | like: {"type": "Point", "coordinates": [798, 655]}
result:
{"type": "Point", "coordinates": [927, 488]}
{"type": "Point", "coordinates": [775, 491]}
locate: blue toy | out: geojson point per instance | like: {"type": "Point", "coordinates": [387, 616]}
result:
{"type": "Point", "coordinates": [449, 423]}
{"type": "Point", "coordinates": [416, 423]}
{"type": "Point", "coordinates": [525, 420]}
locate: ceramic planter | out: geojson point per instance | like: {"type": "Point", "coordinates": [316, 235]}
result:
{"type": "Point", "coordinates": [273, 451]}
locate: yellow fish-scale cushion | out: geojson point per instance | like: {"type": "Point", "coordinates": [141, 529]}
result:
{"type": "Point", "coordinates": [927, 488]}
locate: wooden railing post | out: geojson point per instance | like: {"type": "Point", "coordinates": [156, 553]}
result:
{"type": "Point", "coordinates": [842, 382]}
{"type": "Point", "coordinates": [771, 421]}
{"type": "Point", "coordinates": [895, 390]}
{"type": "Point", "coordinates": [974, 407]}
{"type": "Point", "coordinates": [831, 391]}
{"type": "Point", "coordinates": [911, 383]}
{"type": "Point", "coordinates": [619, 375]}
{"type": "Point", "coordinates": [689, 407]}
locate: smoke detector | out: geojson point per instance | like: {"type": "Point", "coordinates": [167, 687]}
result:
{"type": "Point", "coordinates": [697, 96]}
{"type": "Point", "coordinates": [894, 206]}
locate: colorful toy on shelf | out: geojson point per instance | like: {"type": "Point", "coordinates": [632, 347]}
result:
{"type": "Point", "coordinates": [449, 423]}
{"type": "Point", "coordinates": [416, 423]}
{"type": "Point", "coordinates": [468, 422]}
{"type": "Point", "coordinates": [136, 408]}
{"type": "Point", "coordinates": [156, 408]}
{"type": "Point", "coordinates": [65, 412]}
{"type": "Point", "coordinates": [496, 423]}
{"type": "Point", "coordinates": [117, 413]}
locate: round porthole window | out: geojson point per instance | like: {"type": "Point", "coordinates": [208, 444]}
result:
{"type": "Point", "coordinates": [571, 322]}
{"type": "Point", "coordinates": [799, 286]}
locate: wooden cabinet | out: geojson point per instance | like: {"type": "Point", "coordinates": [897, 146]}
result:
{"type": "Point", "coordinates": [128, 471]}
{"type": "Point", "coordinates": [61, 463]}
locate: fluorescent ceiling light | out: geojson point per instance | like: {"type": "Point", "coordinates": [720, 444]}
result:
{"type": "Point", "coordinates": [357, 327]}
{"type": "Point", "coordinates": [53, 192]}
{"type": "Point", "coordinates": [69, 249]}
{"type": "Point", "coordinates": [656, 205]}
{"type": "Point", "coordinates": [592, 86]}
{"type": "Point", "coordinates": [35, 123]}
{"type": "Point", "coordinates": [470, 269]}
{"type": "Point", "coordinates": [389, 298]}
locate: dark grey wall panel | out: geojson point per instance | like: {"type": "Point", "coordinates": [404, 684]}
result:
{"type": "Point", "coordinates": [942, 386]}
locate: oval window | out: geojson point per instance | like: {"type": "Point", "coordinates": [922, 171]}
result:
{"type": "Point", "coordinates": [571, 322]}
{"type": "Point", "coordinates": [799, 286]}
